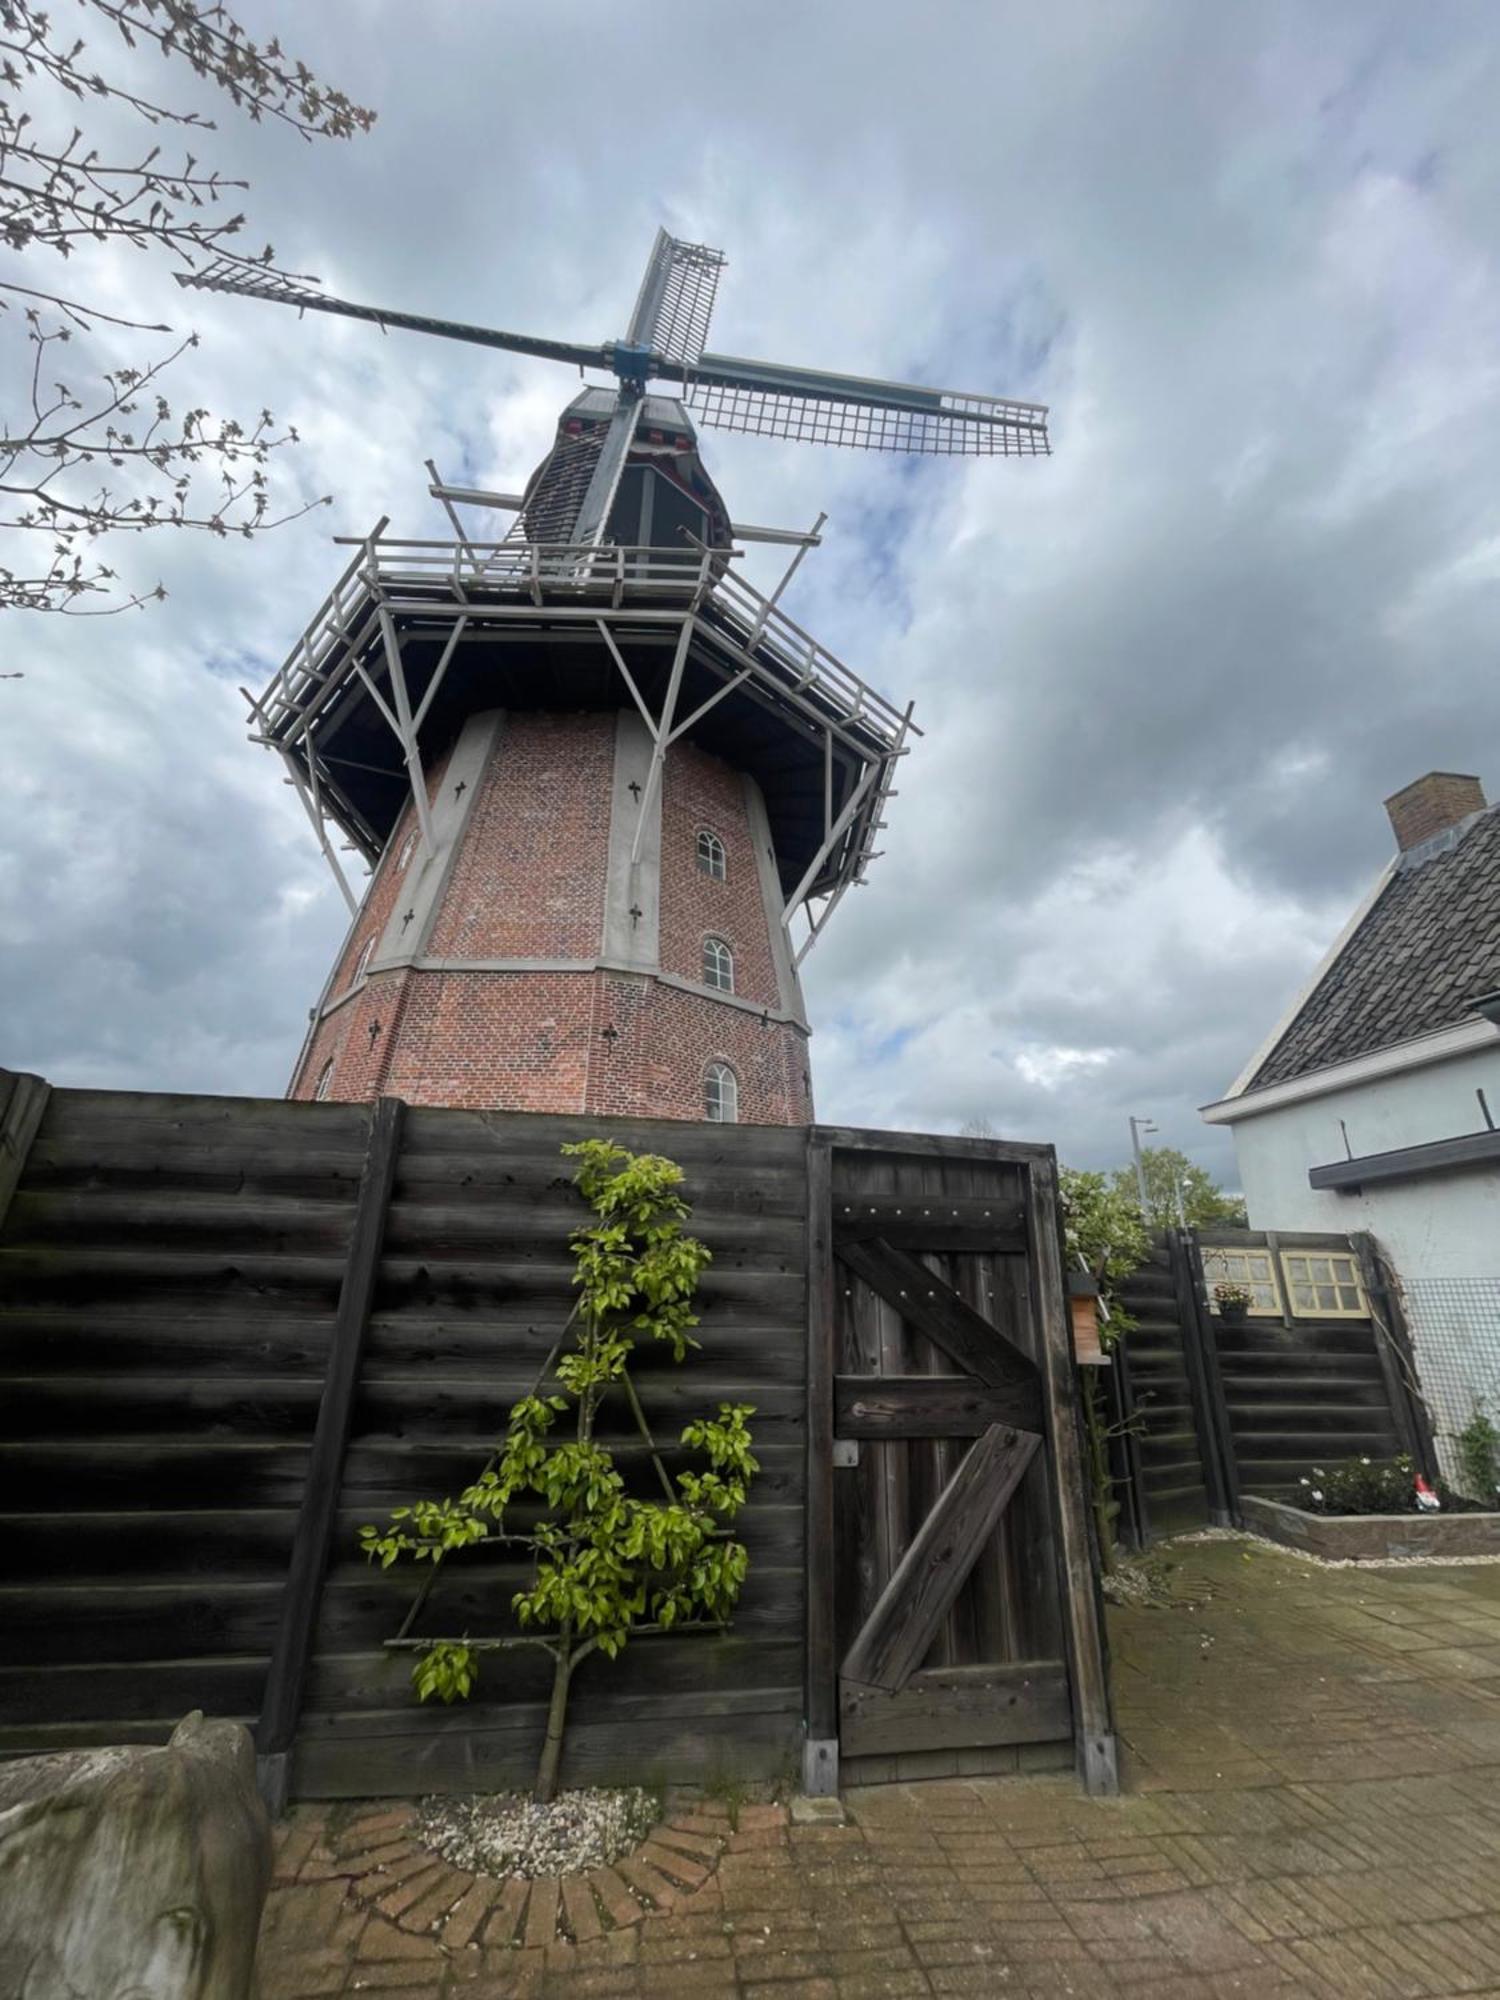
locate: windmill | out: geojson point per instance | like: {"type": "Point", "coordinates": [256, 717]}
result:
{"type": "Point", "coordinates": [610, 930]}
{"type": "Point", "coordinates": [665, 343]}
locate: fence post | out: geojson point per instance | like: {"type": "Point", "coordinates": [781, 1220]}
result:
{"type": "Point", "coordinates": [1398, 1361]}
{"type": "Point", "coordinates": [276, 1731]}
{"type": "Point", "coordinates": [1082, 1609]}
{"type": "Point", "coordinates": [1205, 1388]}
{"type": "Point", "coordinates": [820, 1750]}
{"type": "Point", "coordinates": [23, 1099]}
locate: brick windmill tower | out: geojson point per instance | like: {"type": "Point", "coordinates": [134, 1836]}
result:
{"type": "Point", "coordinates": [609, 793]}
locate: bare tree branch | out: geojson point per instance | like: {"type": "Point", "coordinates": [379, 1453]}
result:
{"type": "Point", "coordinates": [59, 193]}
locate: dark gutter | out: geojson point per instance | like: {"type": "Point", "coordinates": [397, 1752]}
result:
{"type": "Point", "coordinates": [1473, 1149]}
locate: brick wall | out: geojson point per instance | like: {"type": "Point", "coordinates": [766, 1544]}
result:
{"type": "Point", "coordinates": [704, 792]}
{"type": "Point", "coordinates": [385, 885]}
{"type": "Point", "coordinates": [536, 1041]}
{"type": "Point", "coordinates": [529, 880]}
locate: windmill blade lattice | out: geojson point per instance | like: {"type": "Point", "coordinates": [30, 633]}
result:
{"type": "Point", "coordinates": [676, 299]}
{"type": "Point", "coordinates": [967, 429]}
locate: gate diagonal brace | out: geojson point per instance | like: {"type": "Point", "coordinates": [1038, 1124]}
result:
{"type": "Point", "coordinates": [935, 1309]}
{"type": "Point", "coordinates": [895, 1638]}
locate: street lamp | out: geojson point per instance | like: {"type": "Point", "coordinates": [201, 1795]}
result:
{"type": "Point", "coordinates": [1137, 1127]}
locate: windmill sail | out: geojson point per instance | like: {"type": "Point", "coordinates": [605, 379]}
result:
{"type": "Point", "coordinates": [767, 400]}
{"type": "Point", "coordinates": [251, 283]}
{"type": "Point", "coordinates": [676, 299]}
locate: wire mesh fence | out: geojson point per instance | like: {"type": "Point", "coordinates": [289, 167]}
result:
{"type": "Point", "coordinates": [1455, 1331]}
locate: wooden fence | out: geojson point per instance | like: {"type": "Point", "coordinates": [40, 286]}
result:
{"type": "Point", "coordinates": [233, 1330]}
{"type": "Point", "coordinates": [1227, 1409]}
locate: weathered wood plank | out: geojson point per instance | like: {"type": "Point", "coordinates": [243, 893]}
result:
{"type": "Point", "coordinates": [277, 1726]}
{"type": "Point", "coordinates": [931, 1145]}
{"type": "Point", "coordinates": [951, 1708]}
{"type": "Point", "coordinates": [502, 1755]}
{"type": "Point", "coordinates": [947, 1223]}
{"type": "Point", "coordinates": [894, 1639]}
{"type": "Point", "coordinates": [532, 1135]}
{"type": "Point", "coordinates": [172, 1219]}
{"type": "Point", "coordinates": [930, 1406]}
{"type": "Point", "coordinates": [935, 1309]}
{"type": "Point", "coordinates": [23, 1100]}
{"type": "Point", "coordinates": [408, 1406]}
{"type": "Point", "coordinates": [820, 1775]}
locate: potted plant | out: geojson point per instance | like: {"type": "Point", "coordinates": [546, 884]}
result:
{"type": "Point", "coordinates": [1232, 1302]}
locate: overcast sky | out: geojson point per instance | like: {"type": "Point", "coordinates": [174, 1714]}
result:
{"type": "Point", "coordinates": [1247, 253]}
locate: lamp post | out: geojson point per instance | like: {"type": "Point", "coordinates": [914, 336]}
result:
{"type": "Point", "coordinates": [1137, 1127]}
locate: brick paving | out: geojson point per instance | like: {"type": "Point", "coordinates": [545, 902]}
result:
{"type": "Point", "coordinates": [1312, 1759]}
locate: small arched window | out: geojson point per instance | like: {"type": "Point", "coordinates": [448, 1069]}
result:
{"type": "Point", "coordinates": [711, 857]}
{"type": "Point", "coordinates": [718, 965]}
{"type": "Point", "coordinates": [408, 848]}
{"type": "Point", "coordinates": [324, 1083]}
{"type": "Point", "coordinates": [721, 1094]}
{"type": "Point", "coordinates": [364, 960]}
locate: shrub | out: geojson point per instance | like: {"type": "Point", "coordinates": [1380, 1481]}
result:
{"type": "Point", "coordinates": [1479, 1456]}
{"type": "Point", "coordinates": [1371, 1486]}
{"type": "Point", "coordinates": [1361, 1486]}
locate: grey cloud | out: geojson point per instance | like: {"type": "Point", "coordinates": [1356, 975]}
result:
{"type": "Point", "coordinates": [1166, 677]}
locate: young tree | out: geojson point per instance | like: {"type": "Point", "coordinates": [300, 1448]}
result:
{"type": "Point", "coordinates": [104, 453]}
{"type": "Point", "coordinates": [1204, 1204]}
{"type": "Point", "coordinates": [605, 1566]}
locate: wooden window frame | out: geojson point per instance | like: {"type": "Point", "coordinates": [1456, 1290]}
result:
{"type": "Point", "coordinates": [712, 855]}
{"type": "Point", "coordinates": [715, 1072]}
{"type": "Point", "coordinates": [1214, 1275]}
{"type": "Point", "coordinates": [1353, 1282]}
{"type": "Point", "coordinates": [722, 962]}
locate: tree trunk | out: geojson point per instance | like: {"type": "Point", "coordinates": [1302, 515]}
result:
{"type": "Point", "coordinates": [557, 1712]}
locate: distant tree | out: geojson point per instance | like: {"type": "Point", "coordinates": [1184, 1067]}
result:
{"type": "Point", "coordinates": [111, 456]}
{"type": "Point", "coordinates": [1203, 1203]}
{"type": "Point", "coordinates": [977, 1127]}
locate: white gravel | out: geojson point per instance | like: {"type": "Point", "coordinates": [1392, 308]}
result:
{"type": "Point", "coordinates": [1333, 1562]}
{"type": "Point", "coordinates": [508, 1833]}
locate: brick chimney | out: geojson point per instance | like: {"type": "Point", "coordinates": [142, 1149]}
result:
{"type": "Point", "coordinates": [1432, 805]}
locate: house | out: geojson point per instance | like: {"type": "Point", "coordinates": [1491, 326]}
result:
{"type": "Point", "coordinates": [1373, 1104]}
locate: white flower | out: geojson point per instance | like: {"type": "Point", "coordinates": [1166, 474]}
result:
{"type": "Point", "coordinates": [1364, 1461]}
{"type": "Point", "coordinates": [1305, 1481]}
{"type": "Point", "coordinates": [1317, 1493]}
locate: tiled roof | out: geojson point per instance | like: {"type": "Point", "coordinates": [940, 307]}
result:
{"type": "Point", "coordinates": [1427, 946]}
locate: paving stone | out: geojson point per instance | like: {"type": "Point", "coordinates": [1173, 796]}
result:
{"type": "Point", "coordinates": [620, 1906]}
{"type": "Point", "coordinates": [1318, 1818]}
{"type": "Point", "coordinates": [581, 1910]}
{"type": "Point", "coordinates": [462, 1923]}
{"type": "Point", "coordinates": [542, 1907]}
{"type": "Point", "coordinates": [647, 1881]}
{"type": "Point", "coordinates": [501, 1926]}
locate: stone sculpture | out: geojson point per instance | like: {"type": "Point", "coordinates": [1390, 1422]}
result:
{"type": "Point", "coordinates": [134, 1873]}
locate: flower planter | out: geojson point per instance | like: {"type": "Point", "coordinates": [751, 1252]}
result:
{"type": "Point", "coordinates": [1367, 1537]}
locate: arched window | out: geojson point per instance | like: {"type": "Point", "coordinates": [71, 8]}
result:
{"type": "Point", "coordinates": [324, 1082]}
{"type": "Point", "coordinates": [364, 960]}
{"type": "Point", "coordinates": [718, 965]}
{"type": "Point", "coordinates": [711, 857]}
{"type": "Point", "coordinates": [721, 1094]}
{"type": "Point", "coordinates": [408, 848]}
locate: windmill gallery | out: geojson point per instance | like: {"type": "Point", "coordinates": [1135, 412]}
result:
{"type": "Point", "coordinates": [609, 794]}
{"type": "Point", "coordinates": [597, 775]}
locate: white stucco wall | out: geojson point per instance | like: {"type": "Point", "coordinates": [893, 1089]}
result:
{"type": "Point", "coordinates": [1438, 1226]}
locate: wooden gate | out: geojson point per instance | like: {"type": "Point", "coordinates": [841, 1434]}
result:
{"type": "Point", "coordinates": [953, 1611]}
